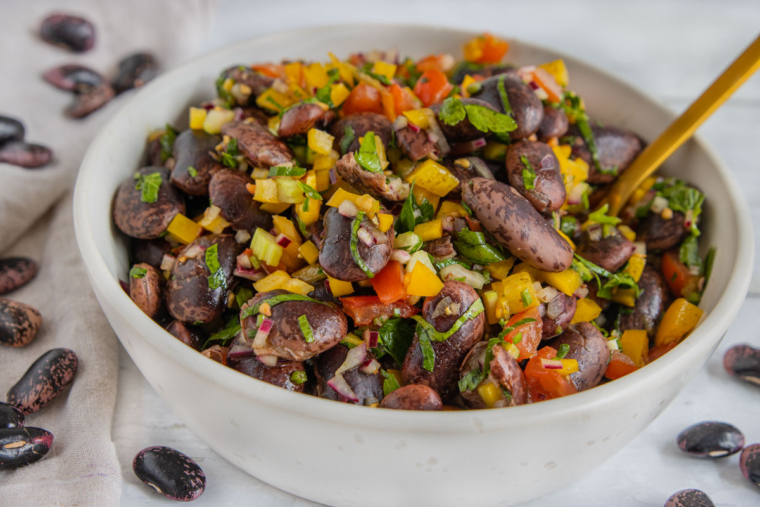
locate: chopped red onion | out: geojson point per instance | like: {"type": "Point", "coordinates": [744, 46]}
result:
{"type": "Point", "coordinates": [581, 292]}
{"type": "Point", "coordinates": [413, 127]}
{"type": "Point", "coordinates": [459, 224]}
{"type": "Point", "coordinates": [447, 223]}
{"type": "Point", "coordinates": [659, 203]}
{"type": "Point", "coordinates": [167, 262]}
{"type": "Point", "coordinates": [576, 194]}
{"type": "Point", "coordinates": [695, 270]}
{"type": "Point", "coordinates": [595, 232]}
{"type": "Point", "coordinates": [432, 137]}
{"type": "Point", "coordinates": [238, 113]}
{"type": "Point", "coordinates": [366, 237]}
{"type": "Point", "coordinates": [253, 275]}
{"type": "Point", "coordinates": [442, 143]}
{"type": "Point", "coordinates": [555, 308]}
{"type": "Point", "coordinates": [263, 333]}
{"type": "Point", "coordinates": [333, 176]}
{"type": "Point", "coordinates": [283, 240]}
{"type": "Point", "coordinates": [240, 351]}
{"type": "Point", "coordinates": [401, 255]}
{"type": "Point", "coordinates": [339, 384]}
{"type": "Point", "coordinates": [400, 122]}
{"type": "Point", "coordinates": [370, 367]}
{"type": "Point", "coordinates": [348, 209]}
{"type": "Point", "coordinates": [641, 247]}
{"type": "Point", "coordinates": [194, 251]}
{"type": "Point", "coordinates": [242, 236]}
{"type": "Point", "coordinates": [371, 338]}
{"type": "Point", "coordinates": [268, 360]}
{"type": "Point", "coordinates": [244, 262]}
{"type": "Point", "coordinates": [551, 364]}
{"type": "Point", "coordinates": [281, 86]}
{"type": "Point", "coordinates": [533, 85]}
{"type": "Point", "coordinates": [354, 358]}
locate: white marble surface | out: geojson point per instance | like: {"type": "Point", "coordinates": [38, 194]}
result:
{"type": "Point", "coordinates": [671, 49]}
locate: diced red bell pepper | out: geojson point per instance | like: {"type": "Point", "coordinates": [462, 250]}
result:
{"type": "Point", "coordinates": [270, 69]}
{"type": "Point", "coordinates": [432, 87]}
{"type": "Point", "coordinates": [660, 350]}
{"type": "Point", "coordinates": [543, 383]}
{"type": "Point", "coordinates": [364, 309]}
{"type": "Point", "coordinates": [530, 334]}
{"type": "Point", "coordinates": [403, 99]}
{"type": "Point", "coordinates": [494, 49]}
{"type": "Point", "coordinates": [620, 365]}
{"type": "Point", "coordinates": [363, 99]}
{"type": "Point", "coordinates": [389, 283]}
{"type": "Point", "coordinates": [677, 274]}
{"type": "Point", "coordinates": [435, 62]}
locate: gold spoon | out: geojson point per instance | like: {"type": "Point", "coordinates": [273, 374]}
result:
{"type": "Point", "coordinates": [683, 127]}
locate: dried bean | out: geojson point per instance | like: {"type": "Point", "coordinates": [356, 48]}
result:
{"type": "Point", "coordinates": [170, 472]}
{"type": "Point", "coordinates": [711, 440]}
{"type": "Point", "coordinates": [25, 154]}
{"type": "Point", "coordinates": [44, 380]}
{"type": "Point", "coordinates": [689, 498]}
{"type": "Point", "coordinates": [134, 71]}
{"type": "Point", "coordinates": [10, 417]}
{"type": "Point", "coordinates": [23, 446]}
{"type": "Point", "coordinates": [10, 129]}
{"type": "Point", "coordinates": [749, 461]}
{"type": "Point", "coordinates": [15, 272]}
{"type": "Point", "coordinates": [744, 362]}
{"type": "Point", "coordinates": [19, 323]}
{"type": "Point", "coordinates": [72, 32]}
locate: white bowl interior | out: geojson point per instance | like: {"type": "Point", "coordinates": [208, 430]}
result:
{"type": "Point", "coordinates": [119, 150]}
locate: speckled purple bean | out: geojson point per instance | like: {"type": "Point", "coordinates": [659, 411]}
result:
{"type": "Point", "coordinates": [19, 323]}
{"type": "Point", "coordinates": [743, 361]}
{"type": "Point", "coordinates": [15, 272]}
{"type": "Point", "coordinates": [73, 77]}
{"type": "Point", "coordinates": [10, 417]}
{"type": "Point", "coordinates": [44, 380]}
{"type": "Point", "coordinates": [711, 439]}
{"type": "Point", "coordinates": [11, 129]}
{"type": "Point", "coordinates": [23, 154]}
{"type": "Point", "coordinates": [134, 71]}
{"type": "Point", "coordinates": [23, 446]}
{"type": "Point", "coordinates": [749, 461]}
{"type": "Point", "coordinates": [689, 498]}
{"type": "Point", "coordinates": [72, 32]}
{"type": "Point", "coordinates": [170, 472]}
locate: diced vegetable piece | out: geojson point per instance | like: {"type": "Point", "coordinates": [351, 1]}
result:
{"type": "Point", "coordinates": [466, 82]}
{"type": "Point", "coordinates": [197, 117]}
{"type": "Point", "coordinates": [367, 204]}
{"type": "Point", "coordinates": [273, 100]}
{"type": "Point", "coordinates": [322, 164]}
{"type": "Point", "coordinates": [212, 220]}
{"type": "Point", "coordinates": [421, 195]}
{"type": "Point", "coordinates": [215, 118]}
{"type": "Point", "coordinates": [418, 117]}
{"type": "Point", "coordinates": [298, 286]}
{"type": "Point", "coordinates": [500, 270]}
{"type": "Point", "coordinates": [289, 191]}
{"type": "Point", "coordinates": [635, 344]}
{"type": "Point", "coordinates": [547, 83]}
{"type": "Point", "coordinates": [519, 292]}
{"type": "Point", "coordinates": [625, 297]}
{"type": "Point", "coordinates": [274, 281]}
{"type": "Point", "coordinates": [315, 75]}
{"type": "Point", "coordinates": [338, 93]}
{"type": "Point", "coordinates": [620, 365]}
{"type": "Point", "coordinates": [457, 272]}
{"type": "Point", "coordinates": [557, 69]}
{"type": "Point", "coordinates": [567, 281]}
{"type": "Point", "coordinates": [569, 366]}
{"type": "Point", "coordinates": [290, 253]}
{"type": "Point", "coordinates": [432, 87]}
{"type": "Point", "coordinates": [309, 251]}
{"type": "Point", "coordinates": [486, 48]}
{"type": "Point", "coordinates": [419, 256]}
{"type": "Point", "coordinates": [183, 230]}
{"type": "Point", "coordinates": [320, 141]}
{"type": "Point", "coordinates": [428, 231]}
{"type": "Point", "coordinates": [495, 151]}
{"type": "Point", "coordinates": [274, 208]}
{"type": "Point", "coordinates": [323, 178]}
{"type": "Point", "coordinates": [567, 238]}
{"type": "Point", "coordinates": [451, 208]}
{"type": "Point", "coordinates": [386, 221]}
{"type": "Point", "coordinates": [679, 319]}
{"type": "Point", "coordinates": [677, 274]}
{"type": "Point", "coordinates": [341, 195]}
{"type": "Point", "coordinates": [546, 384]}
{"type": "Point", "coordinates": [339, 287]}
{"type": "Point", "coordinates": [489, 393]}
{"type": "Point", "coordinates": [310, 215]}
{"type": "Point", "coordinates": [365, 309]}
{"type": "Point", "coordinates": [266, 191]}
{"type": "Point", "coordinates": [434, 178]}
{"type": "Point", "coordinates": [636, 266]}
{"type": "Point", "coordinates": [294, 72]}
{"type": "Point", "coordinates": [265, 247]}
{"type": "Point", "coordinates": [529, 333]}
{"type": "Point", "coordinates": [626, 231]}
{"type": "Point", "coordinates": [384, 69]}
{"type": "Point", "coordinates": [423, 281]}
{"type": "Point", "coordinates": [389, 283]}
{"type": "Point", "coordinates": [586, 310]}
{"type": "Point", "coordinates": [490, 300]}
{"type": "Point", "coordinates": [363, 99]}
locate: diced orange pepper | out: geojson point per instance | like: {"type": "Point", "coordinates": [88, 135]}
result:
{"type": "Point", "coordinates": [389, 283]}
{"type": "Point", "coordinates": [545, 384]}
{"type": "Point", "coordinates": [432, 87]}
{"type": "Point", "coordinates": [530, 333]}
{"type": "Point", "coordinates": [363, 99]}
{"type": "Point", "coordinates": [423, 282]}
{"type": "Point", "coordinates": [184, 230]}
{"type": "Point", "coordinates": [679, 319]}
{"type": "Point", "coordinates": [619, 366]}
{"type": "Point", "coordinates": [635, 344]}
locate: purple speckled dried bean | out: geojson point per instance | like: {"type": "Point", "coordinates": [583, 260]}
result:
{"type": "Point", "coordinates": [689, 498]}
{"type": "Point", "coordinates": [72, 32]}
{"type": "Point", "coordinates": [11, 129]}
{"type": "Point", "coordinates": [749, 461]}
{"type": "Point", "coordinates": [710, 439]}
{"type": "Point", "coordinates": [44, 380]}
{"type": "Point", "coordinates": [170, 472]}
{"type": "Point", "coordinates": [19, 323]}
{"type": "Point", "coordinates": [134, 71]}
{"type": "Point", "coordinates": [25, 154]}
{"type": "Point", "coordinates": [23, 446]}
{"type": "Point", "coordinates": [10, 417]}
{"type": "Point", "coordinates": [15, 272]}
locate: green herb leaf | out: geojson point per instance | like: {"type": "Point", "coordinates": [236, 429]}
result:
{"type": "Point", "coordinates": [600, 216]}
{"type": "Point", "coordinates": [348, 137]}
{"type": "Point", "coordinates": [354, 246]}
{"type": "Point", "coordinates": [367, 155]}
{"type": "Point", "coordinates": [689, 251]}
{"type": "Point", "coordinates": [528, 173]}
{"type": "Point", "coordinates": [230, 331]}
{"type": "Point", "coordinates": [217, 278]}
{"type": "Point", "coordinates": [563, 350]}
{"type": "Point", "coordinates": [192, 171]}
{"type": "Point", "coordinates": [390, 383]}
{"type": "Point", "coordinates": [504, 97]}
{"type": "Point", "coordinates": [485, 119]}
{"type": "Point", "coordinates": [148, 184]}
{"type": "Point", "coordinates": [310, 192]}
{"type": "Point", "coordinates": [136, 272]}
{"type": "Point", "coordinates": [276, 300]}
{"type": "Point", "coordinates": [243, 296]}
{"type": "Point", "coordinates": [448, 262]}
{"type": "Point", "coordinates": [620, 279]}
{"type": "Point", "coordinates": [428, 354]}
{"type": "Point", "coordinates": [324, 94]}
{"type": "Point", "coordinates": [709, 261]}
{"type": "Point", "coordinates": [308, 334]}
{"type": "Point", "coordinates": [298, 377]}
{"type": "Point", "coordinates": [228, 160]}
{"type": "Point", "coordinates": [493, 342]}
{"type": "Point", "coordinates": [424, 327]}
{"type": "Point", "coordinates": [472, 380]}
{"type": "Point", "coordinates": [281, 170]}
{"type": "Point", "coordinates": [167, 142]}
{"type": "Point", "coordinates": [224, 94]}
{"type": "Point", "coordinates": [518, 338]}
{"type": "Point", "coordinates": [568, 225]}
{"type": "Point", "coordinates": [396, 336]}
{"type": "Point", "coordinates": [413, 214]}
{"type": "Point", "coordinates": [452, 111]}
{"type": "Point", "coordinates": [527, 299]}
{"type": "Point", "coordinates": [574, 110]}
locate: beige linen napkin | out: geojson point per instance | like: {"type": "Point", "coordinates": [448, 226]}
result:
{"type": "Point", "coordinates": [36, 221]}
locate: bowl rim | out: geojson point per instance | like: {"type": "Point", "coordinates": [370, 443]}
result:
{"type": "Point", "coordinates": [107, 285]}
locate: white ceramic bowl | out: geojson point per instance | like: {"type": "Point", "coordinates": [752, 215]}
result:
{"type": "Point", "coordinates": [345, 455]}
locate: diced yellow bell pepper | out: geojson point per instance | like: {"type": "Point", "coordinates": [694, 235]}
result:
{"type": "Point", "coordinates": [421, 195]}
{"type": "Point", "coordinates": [298, 286]}
{"type": "Point", "coordinates": [490, 301]}
{"type": "Point", "coordinates": [212, 221]}
{"type": "Point", "coordinates": [636, 265]}
{"type": "Point", "coordinates": [473, 49]}
{"type": "Point", "coordinates": [339, 287]}
{"type": "Point", "coordinates": [228, 84]}
{"type": "Point", "coordinates": [273, 100]}
{"type": "Point", "coordinates": [323, 179]}
{"type": "Point", "coordinates": [215, 118]}
{"type": "Point", "coordinates": [288, 191]}
{"type": "Point", "coordinates": [183, 230]}
{"type": "Point", "coordinates": [338, 93]}
{"type": "Point", "coordinates": [429, 231]}
{"type": "Point", "coordinates": [500, 270]}
{"type": "Point", "coordinates": [341, 195]}
{"type": "Point", "coordinates": [558, 70]}
{"type": "Point", "coordinates": [569, 366]}
{"type": "Point", "coordinates": [323, 163]}
{"type": "Point", "coordinates": [418, 117]}
{"type": "Point", "coordinates": [309, 251]}
{"type": "Point", "coordinates": [397, 374]}
{"type": "Point", "coordinates": [566, 238]}
{"type": "Point", "coordinates": [466, 82]}
{"type": "Point", "coordinates": [640, 192]}
{"type": "Point", "coordinates": [519, 292]}
{"type": "Point", "coordinates": [312, 215]}
{"type": "Point", "coordinates": [635, 344]}
{"type": "Point", "coordinates": [386, 221]}
{"type": "Point", "coordinates": [626, 297]}
{"type": "Point", "coordinates": [273, 281]}
{"type": "Point", "coordinates": [627, 232]}
{"type": "Point", "coordinates": [433, 177]}
{"type": "Point", "coordinates": [451, 208]}
{"type": "Point", "coordinates": [489, 393]}
{"type": "Point", "coordinates": [316, 76]}
{"type": "Point", "coordinates": [679, 319]}
{"type": "Point", "coordinates": [266, 191]}
{"type": "Point", "coordinates": [320, 141]}
{"type": "Point", "coordinates": [382, 68]}
{"type": "Point", "coordinates": [346, 70]}
{"type": "Point", "coordinates": [403, 167]}
{"type": "Point", "coordinates": [284, 226]}
{"type": "Point", "coordinates": [495, 151]}
{"type": "Point", "coordinates": [197, 117]}
{"type": "Point", "coordinates": [367, 204]}
{"type": "Point", "coordinates": [567, 281]}
{"type": "Point", "coordinates": [511, 349]}
{"type": "Point", "coordinates": [586, 310]}
{"type": "Point", "coordinates": [423, 281]}
{"type": "Point", "coordinates": [274, 123]}
{"type": "Point", "coordinates": [352, 339]}
{"type": "Point", "coordinates": [275, 208]}
{"type": "Point", "coordinates": [294, 72]}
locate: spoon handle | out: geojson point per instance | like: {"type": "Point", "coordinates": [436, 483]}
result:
{"type": "Point", "coordinates": [683, 127]}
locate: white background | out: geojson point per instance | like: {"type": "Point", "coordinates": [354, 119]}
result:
{"type": "Point", "coordinates": [671, 49]}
